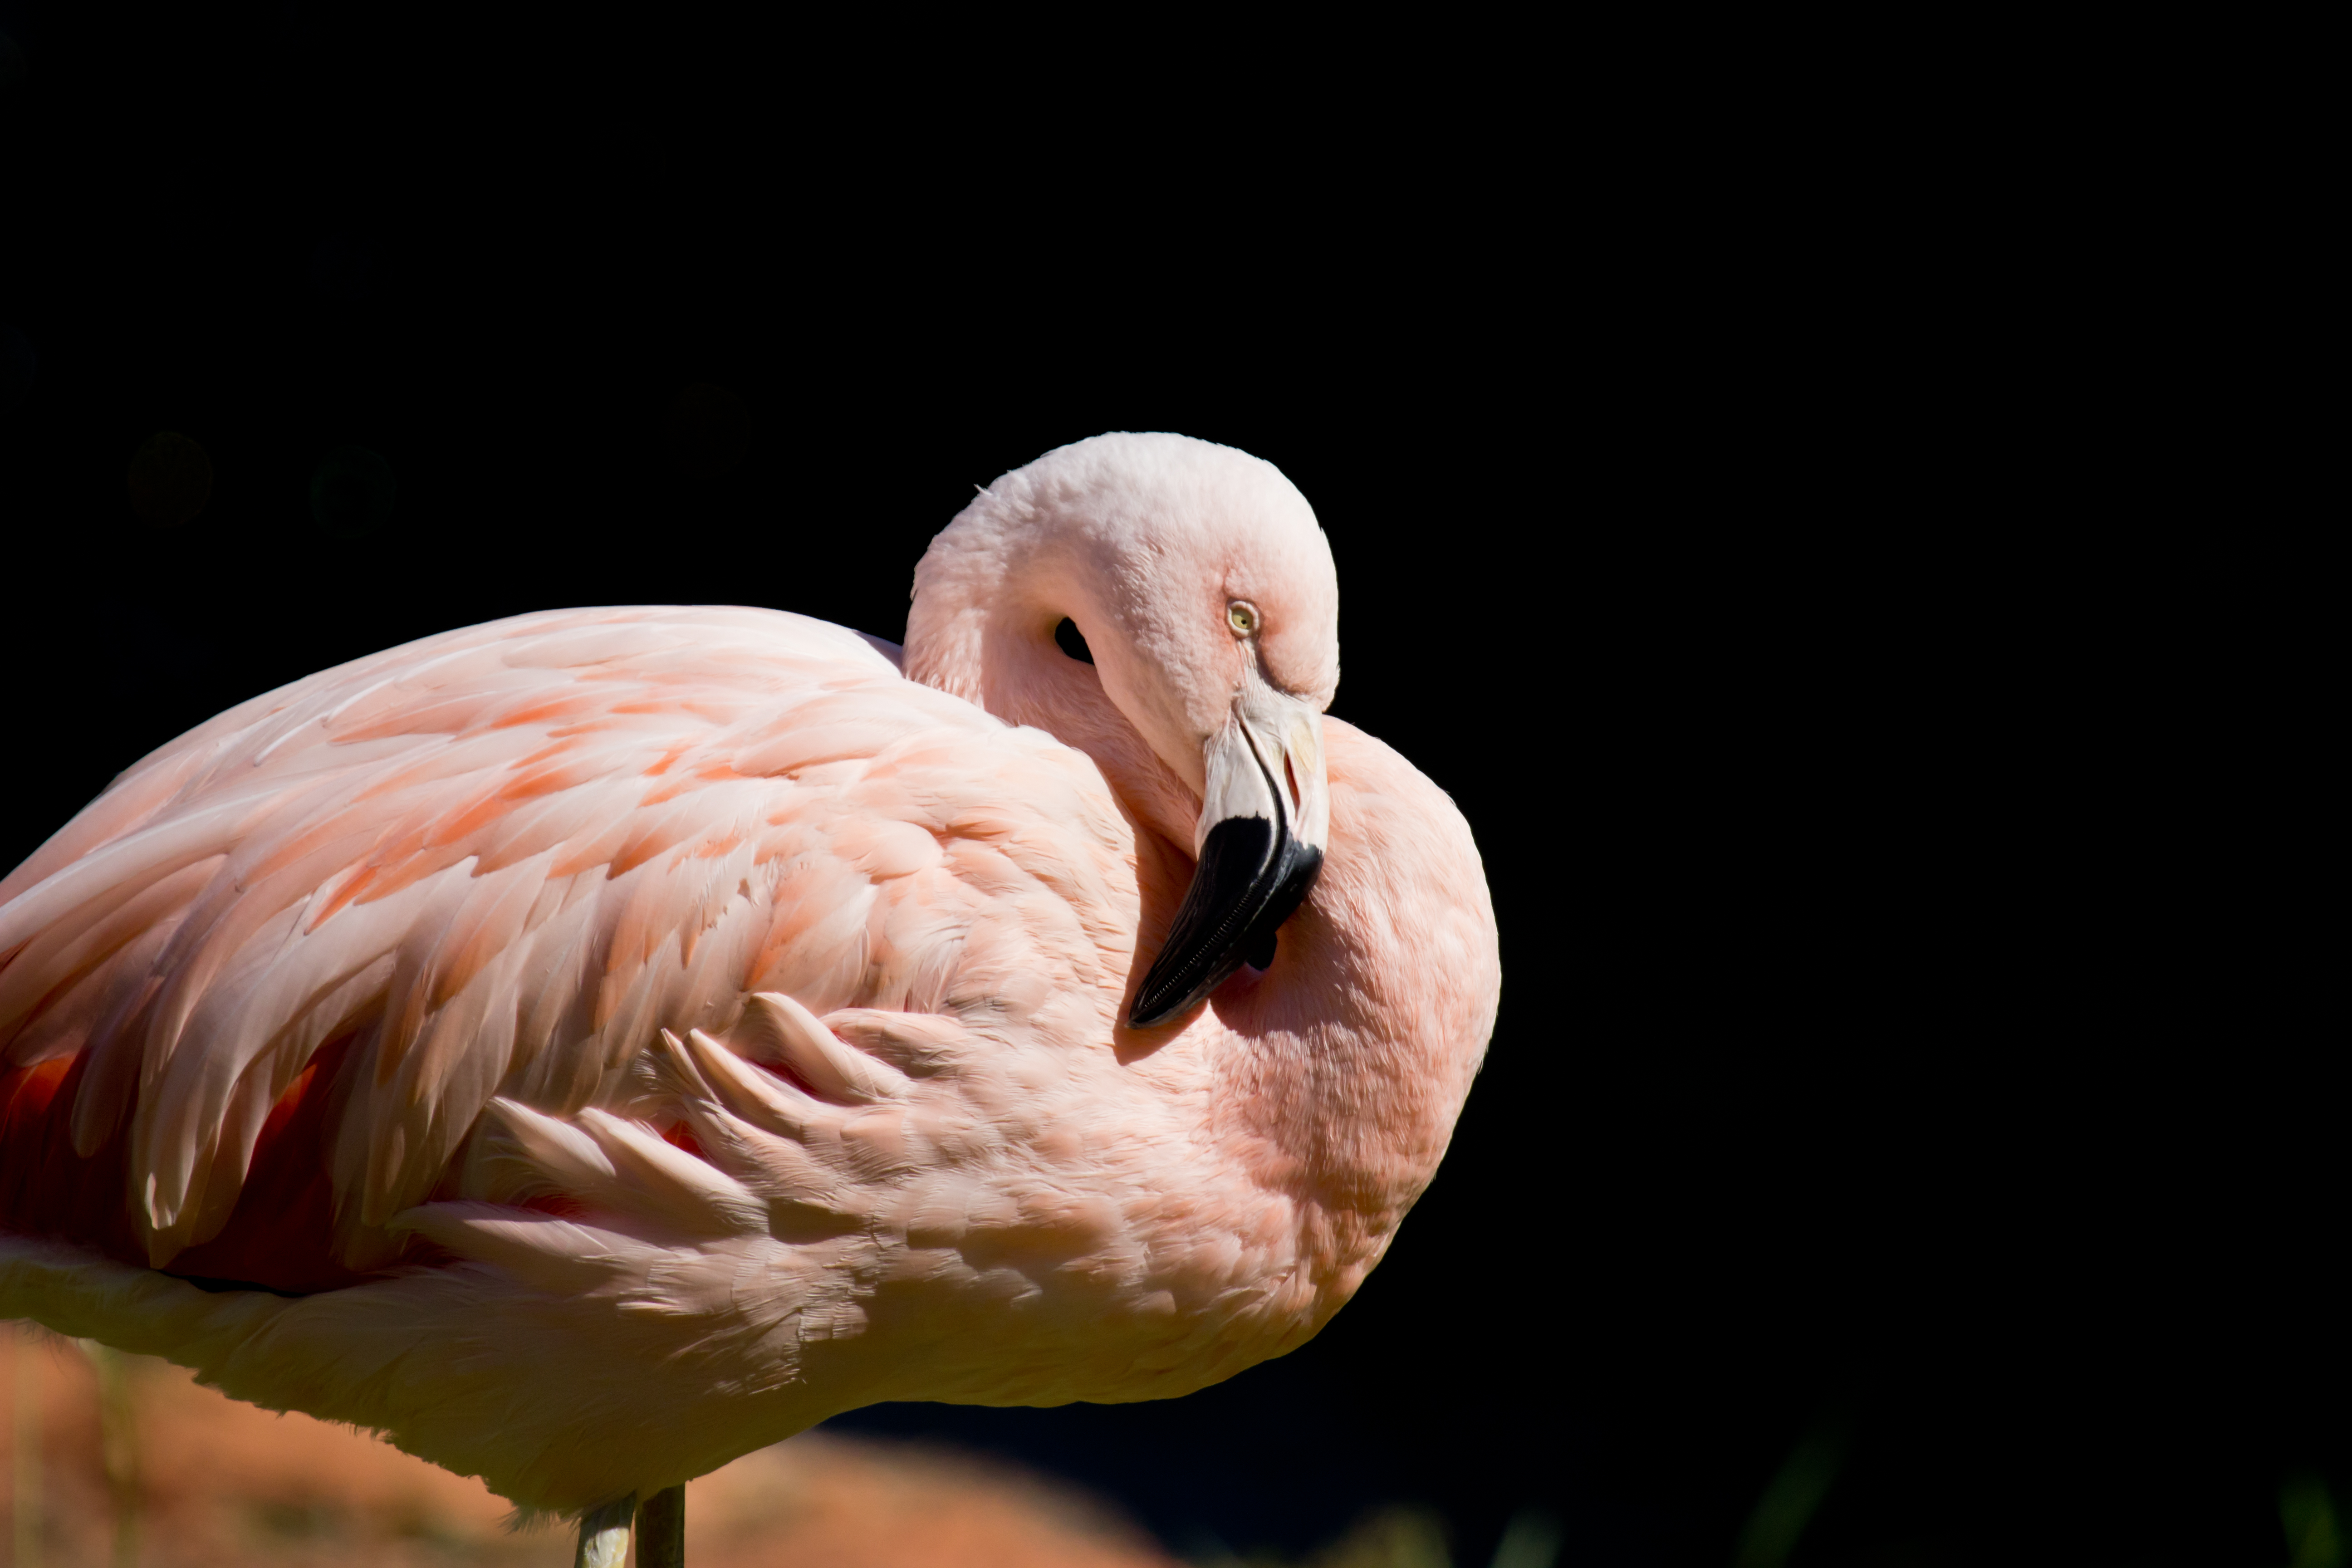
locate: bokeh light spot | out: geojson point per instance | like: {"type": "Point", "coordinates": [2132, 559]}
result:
{"type": "Point", "coordinates": [709, 429]}
{"type": "Point", "coordinates": [351, 492]}
{"type": "Point", "coordinates": [171, 478]}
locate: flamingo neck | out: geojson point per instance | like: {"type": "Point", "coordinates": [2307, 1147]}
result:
{"type": "Point", "coordinates": [1352, 1055]}
{"type": "Point", "coordinates": [1336, 1075]}
{"type": "Point", "coordinates": [978, 631]}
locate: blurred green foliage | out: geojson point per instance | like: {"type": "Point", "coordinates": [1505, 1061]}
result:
{"type": "Point", "coordinates": [2308, 1515]}
{"type": "Point", "coordinates": [1793, 1497]}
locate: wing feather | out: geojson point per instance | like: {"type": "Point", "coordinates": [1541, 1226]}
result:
{"type": "Point", "coordinates": [498, 864]}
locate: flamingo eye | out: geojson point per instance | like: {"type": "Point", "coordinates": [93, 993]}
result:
{"type": "Point", "coordinates": [1067, 638]}
{"type": "Point", "coordinates": [1242, 615]}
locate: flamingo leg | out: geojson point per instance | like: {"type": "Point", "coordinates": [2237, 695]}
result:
{"type": "Point", "coordinates": [27, 1516]}
{"type": "Point", "coordinates": [604, 1534]}
{"type": "Point", "coordinates": [661, 1529]}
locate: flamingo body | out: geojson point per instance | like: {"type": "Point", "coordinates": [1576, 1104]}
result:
{"type": "Point", "coordinates": [592, 1045]}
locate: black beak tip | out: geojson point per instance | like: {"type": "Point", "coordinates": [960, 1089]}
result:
{"type": "Point", "coordinates": [1140, 1016]}
{"type": "Point", "coordinates": [1248, 882]}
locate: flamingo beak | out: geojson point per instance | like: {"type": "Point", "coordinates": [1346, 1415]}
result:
{"type": "Point", "coordinates": [1264, 819]}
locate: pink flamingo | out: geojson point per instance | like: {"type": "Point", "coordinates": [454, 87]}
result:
{"type": "Point", "coordinates": [587, 1048]}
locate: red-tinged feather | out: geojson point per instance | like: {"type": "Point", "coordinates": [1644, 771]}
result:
{"type": "Point", "coordinates": [282, 1233]}
{"type": "Point", "coordinates": [678, 1135]}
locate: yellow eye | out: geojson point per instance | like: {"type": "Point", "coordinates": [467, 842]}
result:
{"type": "Point", "coordinates": [1242, 615]}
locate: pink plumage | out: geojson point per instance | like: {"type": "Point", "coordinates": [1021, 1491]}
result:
{"type": "Point", "coordinates": [589, 1046]}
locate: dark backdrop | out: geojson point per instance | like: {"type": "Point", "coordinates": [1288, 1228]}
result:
{"type": "Point", "coordinates": [1711, 523]}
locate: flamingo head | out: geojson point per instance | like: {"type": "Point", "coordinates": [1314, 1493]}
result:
{"type": "Point", "coordinates": [1188, 587]}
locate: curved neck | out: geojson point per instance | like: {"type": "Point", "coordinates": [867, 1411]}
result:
{"type": "Point", "coordinates": [1341, 1068]}
{"type": "Point", "coordinates": [1356, 1050]}
{"type": "Point", "coordinates": [976, 633]}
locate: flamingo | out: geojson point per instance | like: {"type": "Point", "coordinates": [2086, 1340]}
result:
{"type": "Point", "coordinates": [590, 1047]}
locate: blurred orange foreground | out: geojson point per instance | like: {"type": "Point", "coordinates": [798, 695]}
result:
{"type": "Point", "coordinates": [221, 1482]}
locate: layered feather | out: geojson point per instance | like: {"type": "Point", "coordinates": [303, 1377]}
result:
{"type": "Point", "coordinates": [500, 861]}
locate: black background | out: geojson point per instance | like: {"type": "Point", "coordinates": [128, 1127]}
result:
{"type": "Point", "coordinates": [1722, 516]}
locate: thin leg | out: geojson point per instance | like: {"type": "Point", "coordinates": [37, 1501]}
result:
{"type": "Point", "coordinates": [118, 1430]}
{"type": "Point", "coordinates": [27, 1513]}
{"type": "Point", "coordinates": [661, 1529]}
{"type": "Point", "coordinates": [604, 1534]}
